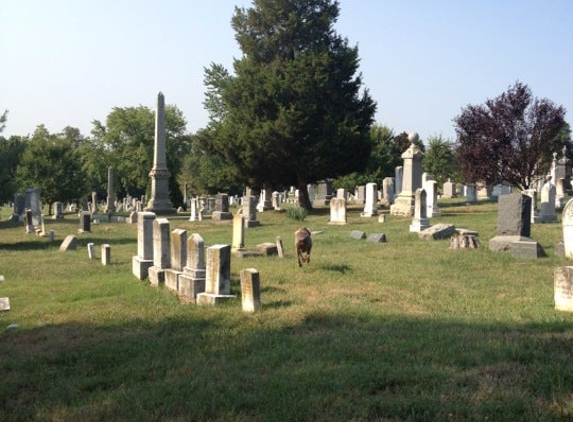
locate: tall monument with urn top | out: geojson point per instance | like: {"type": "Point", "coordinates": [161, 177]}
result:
{"type": "Point", "coordinates": [411, 179]}
{"type": "Point", "coordinates": [159, 174]}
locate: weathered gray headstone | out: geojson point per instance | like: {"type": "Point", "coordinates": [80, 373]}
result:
{"type": "Point", "coordinates": [567, 222]}
{"type": "Point", "coordinates": [449, 189]}
{"type": "Point", "coordinates": [250, 211]}
{"type": "Point", "coordinates": [238, 242]}
{"type": "Point", "coordinates": [535, 217]}
{"type": "Point", "coordinates": [4, 304]}
{"type": "Point", "coordinates": [144, 258]}
{"type": "Point", "coordinates": [19, 207]}
{"type": "Point", "coordinates": [337, 211]}
{"type": "Point", "coordinates": [250, 289]}
{"type": "Point", "coordinates": [371, 204]}
{"type": "Point", "coordinates": [431, 188]}
{"type": "Point", "coordinates": [91, 251]}
{"type": "Point", "coordinates": [387, 191]}
{"type": "Point", "coordinates": [513, 222]}
{"type": "Point", "coordinates": [528, 249]}
{"type": "Point", "coordinates": [85, 222]}
{"type": "Point", "coordinates": [218, 278]}
{"type": "Point", "coordinates": [178, 259]}
{"type": "Point", "coordinates": [221, 211]}
{"type": "Point", "coordinates": [563, 289]}
{"type": "Point", "coordinates": [57, 210]}
{"type": "Point", "coordinates": [161, 251]}
{"type": "Point", "coordinates": [106, 254]}
{"type": "Point", "coordinates": [471, 194]}
{"type": "Point", "coordinates": [192, 281]}
{"type": "Point", "coordinates": [280, 249]}
{"type": "Point", "coordinates": [548, 203]}
{"type": "Point", "coordinates": [420, 221]}
{"type": "Point", "coordinates": [323, 194]}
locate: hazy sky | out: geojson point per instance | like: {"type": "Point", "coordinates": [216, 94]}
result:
{"type": "Point", "coordinates": [69, 62]}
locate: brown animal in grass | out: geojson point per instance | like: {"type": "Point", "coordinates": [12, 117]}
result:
{"type": "Point", "coordinates": [303, 245]}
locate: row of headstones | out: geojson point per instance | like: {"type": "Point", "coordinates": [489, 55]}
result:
{"type": "Point", "coordinates": [185, 266]}
{"type": "Point", "coordinates": [338, 208]}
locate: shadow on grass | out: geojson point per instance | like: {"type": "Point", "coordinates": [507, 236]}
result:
{"type": "Point", "coordinates": [340, 268]}
{"type": "Point", "coordinates": [43, 243]}
{"type": "Point", "coordinates": [327, 367]}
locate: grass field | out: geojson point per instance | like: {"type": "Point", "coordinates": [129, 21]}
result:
{"type": "Point", "coordinates": [404, 330]}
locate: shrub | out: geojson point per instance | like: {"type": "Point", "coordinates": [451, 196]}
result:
{"type": "Point", "coordinates": [297, 213]}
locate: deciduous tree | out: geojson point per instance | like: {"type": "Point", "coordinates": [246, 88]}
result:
{"type": "Point", "coordinates": [511, 137]}
{"type": "Point", "coordinates": [128, 136]}
{"type": "Point", "coordinates": [51, 163]}
{"type": "Point", "coordinates": [439, 159]}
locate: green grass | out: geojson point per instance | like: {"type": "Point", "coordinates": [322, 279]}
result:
{"type": "Point", "coordinates": [405, 330]}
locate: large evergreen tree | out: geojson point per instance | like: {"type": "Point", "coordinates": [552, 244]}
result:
{"type": "Point", "coordinates": [294, 112]}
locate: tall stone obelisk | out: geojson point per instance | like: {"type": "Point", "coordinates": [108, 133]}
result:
{"type": "Point", "coordinates": [159, 174]}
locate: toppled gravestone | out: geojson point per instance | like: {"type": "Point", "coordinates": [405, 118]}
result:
{"type": "Point", "coordinates": [357, 234]}
{"type": "Point", "coordinates": [437, 232]}
{"type": "Point", "coordinates": [70, 243]}
{"type": "Point", "coordinates": [376, 238]}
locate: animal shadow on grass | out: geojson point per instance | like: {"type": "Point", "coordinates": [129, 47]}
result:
{"type": "Point", "coordinates": [340, 268]}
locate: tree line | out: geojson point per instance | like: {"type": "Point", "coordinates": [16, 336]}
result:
{"type": "Point", "coordinates": [293, 111]}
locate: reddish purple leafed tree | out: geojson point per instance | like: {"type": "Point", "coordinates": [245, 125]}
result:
{"type": "Point", "coordinates": [510, 138]}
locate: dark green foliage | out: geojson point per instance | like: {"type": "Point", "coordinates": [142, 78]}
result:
{"type": "Point", "coordinates": [126, 142]}
{"type": "Point", "coordinates": [386, 154]}
{"type": "Point", "coordinates": [10, 152]}
{"type": "Point", "coordinates": [510, 138]}
{"type": "Point", "coordinates": [293, 113]}
{"type": "Point", "coordinates": [205, 171]}
{"type": "Point", "coordinates": [51, 163]}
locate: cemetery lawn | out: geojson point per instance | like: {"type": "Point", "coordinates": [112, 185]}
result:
{"type": "Point", "coordinates": [404, 330]}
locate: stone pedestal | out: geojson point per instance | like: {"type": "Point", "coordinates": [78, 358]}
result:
{"type": "Point", "coordinates": [217, 283]}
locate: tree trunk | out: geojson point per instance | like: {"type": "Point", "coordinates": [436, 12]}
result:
{"type": "Point", "coordinates": [303, 198]}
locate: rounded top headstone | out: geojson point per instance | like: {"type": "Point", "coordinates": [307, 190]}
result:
{"type": "Point", "coordinates": [413, 137]}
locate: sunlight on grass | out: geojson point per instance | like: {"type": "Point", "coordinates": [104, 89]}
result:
{"type": "Point", "coordinates": [403, 330]}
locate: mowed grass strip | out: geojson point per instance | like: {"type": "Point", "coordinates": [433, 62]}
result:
{"type": "Point", "coordinates": [403, 330]}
